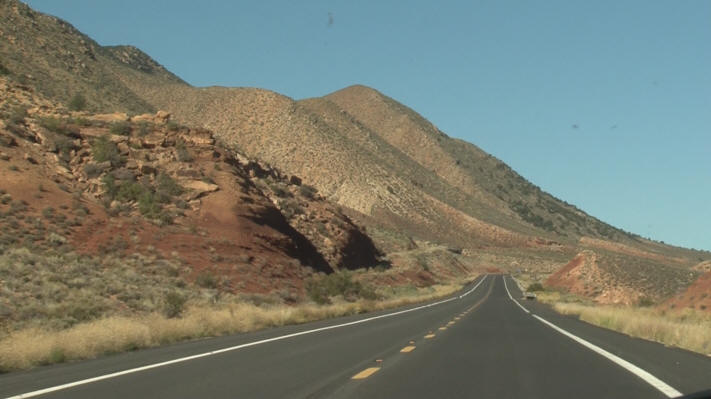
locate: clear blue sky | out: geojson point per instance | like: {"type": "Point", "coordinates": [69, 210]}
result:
{"type": "Point", "coordinates": [605, 104]}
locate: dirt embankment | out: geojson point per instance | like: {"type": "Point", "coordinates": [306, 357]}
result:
{"type": "Point", "coordinates": [583, 276]}
{"type": "Point", "coordinates": [697, 296]}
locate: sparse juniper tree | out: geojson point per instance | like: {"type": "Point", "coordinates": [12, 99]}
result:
{"type": "Point", "coordinates": [77, 102]}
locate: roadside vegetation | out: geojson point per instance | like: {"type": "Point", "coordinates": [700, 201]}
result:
{"type": "Point", "coordinates": [79, 307]}
{"type": "Point", "coordinates": [687, 328]}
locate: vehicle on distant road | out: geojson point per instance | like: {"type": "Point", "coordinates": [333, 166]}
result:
{"type": "Point", "coordinates": [529, 296]}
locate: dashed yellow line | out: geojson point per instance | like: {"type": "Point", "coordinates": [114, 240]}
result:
{"type": "Point", "coordinates": [429, 336]}
{"type": "Point", "coordinates": [450, 323]}
{"type": "Point", "coordinates": [442, 328]}
{"type": "Point", "coordinates": [407, 349]}
{"type": "Point", "coordinates": [365, 373]}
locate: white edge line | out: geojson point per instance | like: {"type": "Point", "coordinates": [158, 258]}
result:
{"type": "Point", "coordinates": [229, 349]}
{"type": "Point", "coordinates": [644, 375]}
{"type": "Point", "coordinates": [515, 301]}
{"type": "Point", "coordinates": [475, 287]}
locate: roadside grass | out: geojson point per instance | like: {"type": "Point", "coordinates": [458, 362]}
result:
{"type": "Point", "coordinates": [687, 329]}
{"type": "Point", "coordinates": [35, 346]}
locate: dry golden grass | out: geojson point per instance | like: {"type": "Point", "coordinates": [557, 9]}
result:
{"type": "Point", "coordinates": [687, 329]}
{"type": "Point", "coordinates": [33, 346]}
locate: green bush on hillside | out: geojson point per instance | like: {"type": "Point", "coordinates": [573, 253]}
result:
{"type": "Point", "coordinates": [535, 287]}
{"type": "Point", "coordinates": [322, 289]}
{"type": "Point", "coordinates": [174, 304]}
{"type": "Point", "coordinates": [18, 115]}
{"type": "Point", "coordinates": [104, 150]}
{"type": "Point", "coordinates": [167, 188]}
{"type": "Point", "coordinates": [77, 102]}
{"type": "Point", "coordinates": [182, 152]}
{"type": "Point", "coordinates": [308, 191]}
{"type": "Point", "coordinates": [121, 128]}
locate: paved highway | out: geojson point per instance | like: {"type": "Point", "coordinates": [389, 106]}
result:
{"type": "Point", "coordinates": [482, 343]}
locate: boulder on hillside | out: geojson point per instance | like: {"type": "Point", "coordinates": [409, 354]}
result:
{"type": "Point", "coordinates": [162, 117]}
{"type": "Point", "coordinates": [199, 188]}
{"type": "Point", "coordinates": [115, 117]}
{"type": "Point", "coordinates": [143, 118]}
{"type": "Point", "coordinates": [198, 137]}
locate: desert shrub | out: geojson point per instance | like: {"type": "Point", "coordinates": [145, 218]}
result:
{"type": "Point", "coordinates": [92, 170]}
{"type": "Point", "coordinates": [110, 186]}
{"type": "Point", "coordinates": [166, 187]}
{"type": "Point", "coordinates": [59, 126]}
{"type": "Point", "coordinates": [206, 280]}
{"type": "Point", "coordinates": [182, 152]}
{"type": "Point", "coordinates": [18, 114]}
{"type": "Point", "coordinates": [104, 150]}
{"type": "Point", "coordinates": [82, 122]}
{"type": "Point", "coordinates": [172, 126]}
{"type": "Point", "coordinates": [51, 124]}
{"type": "Point", "coordinates": [48, 212]}
{"type": "Point", "coordinates": [321, 228]}
{"type": "Point", "coordinates": [123, 174]}
{"type": "Point", "coordinates": [3, 70]}
{"type": "Point", "coordinates": [645, 302]}
{"type": "Point", "coordinates": [173, 304]}
{"type": "Point", "coordinates": [290, 208]}
{"type": "Point", "coordinates": [307, 191]}
{"type": "Point", "coordinates": [148, 204]}
{"type": "Point", "coordinates": [150, 208]}
{"type": "Point", "coordinates": [322, 289]}
{"type": "Point", "coordinates": [535, 287]}
{"type": "Point", "coordinates": [130, 191]}
{"type": "Point", "coordinates": [122, 128]}
{"type": "Point", "coordinates": [18, 207]}
{"type": "Point", "coordinates": [7, 141]}
{"type": "Point", "coordinates": [77, 102]}
{"type": "Point", "coordinates": [383, 265]}
{"type": "Point", "coordinates": [279, 190]}
{"type": "Point", "coordinates": [143, 129]}
{"type": "Point", "coordinates": [64, 146]}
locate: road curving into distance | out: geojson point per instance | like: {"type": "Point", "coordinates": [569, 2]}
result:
{"type": "Point", "coordinates": [483, 342]}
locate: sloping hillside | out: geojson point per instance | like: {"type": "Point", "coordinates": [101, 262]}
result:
{"type": "Point", "coordinates": [613, 278]}
{"type": "Point", "coordinates": [182, 195]}
{"type": "Point", "coordinates": [387, 166]}
{"type": "Point", "coordinates": [60, 62]}
{"type": "Point", "coordinates": [696, 296]}
{"type": "Point", "coordinates": [487, 181]}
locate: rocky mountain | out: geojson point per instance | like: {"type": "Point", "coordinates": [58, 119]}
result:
{"type": "Point", "coordinates": [81, 178]}
{"type": "Point", "coordinates": [60, 62]}
{"type": "Point", "coordinates": [385, 166]}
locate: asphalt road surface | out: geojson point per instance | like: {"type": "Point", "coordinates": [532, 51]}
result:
{"type": "Point", "coordinates": [485, 342]}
